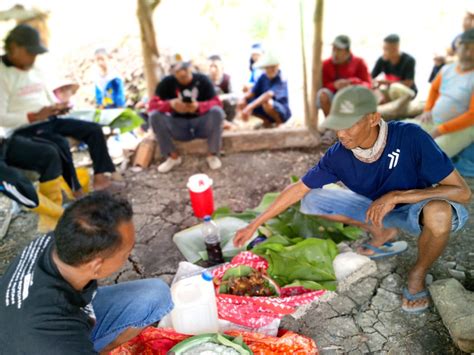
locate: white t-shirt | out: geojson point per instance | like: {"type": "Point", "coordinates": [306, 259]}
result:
{"type": "Point", "coordinates": [21, 92]}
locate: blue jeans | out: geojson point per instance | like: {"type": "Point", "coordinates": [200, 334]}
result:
{"type": "Point", "coordinates": [133, 304]}
{"type": "Point", "coordinates": [344, 202]}
{"type": "Point", "coordinates": [283, 112]}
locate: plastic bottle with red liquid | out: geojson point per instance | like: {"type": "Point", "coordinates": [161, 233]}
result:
{"type": "Point", "coordinates": [212, 239]}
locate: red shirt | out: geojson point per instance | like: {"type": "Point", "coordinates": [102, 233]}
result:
{"type": "Point", "coordinates": [355, 70]}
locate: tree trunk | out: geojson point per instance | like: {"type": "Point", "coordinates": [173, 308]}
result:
{"type": "Point", "coordinates": [150, 51]}
{"type": "Point", "coordinates": [317, 62]}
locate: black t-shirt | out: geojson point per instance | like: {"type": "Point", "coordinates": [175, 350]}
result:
{"type": "Point", "coordinates": [40, 312]}
{"type": "Point", "coordinates": [403, 70]}
{"type": "Point", "coordinates": [200, 89]}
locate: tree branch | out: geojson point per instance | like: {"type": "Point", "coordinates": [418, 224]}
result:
{"type": "Point", "coordinates": [154, 4]}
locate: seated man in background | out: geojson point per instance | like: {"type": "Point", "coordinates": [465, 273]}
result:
{"type": "Point", "coordinates": [186, 107]}
{"type": "Point", "coordinates": [35, 138]}
{"type": "Point", "coordinates": [109, 90]}
{"type": "Point", "coordinates": [396, 88]}
{"type": "Point", "coordinates": [341, 70]}
{"type": "Point", "coordinates": [49, 293]}
{"type": "Point", "coordinates": [256, 52]}
{"type": "Point", "coordinates": [440, 60]}
{"type": "Point", "coordinates": [449, 110]}
{"type": "Point", "coordinates": [396, 178]}
{"type": "Point", "coordinates": [268, 98]}
{"type": "Point", "coordinates": [222, 86]}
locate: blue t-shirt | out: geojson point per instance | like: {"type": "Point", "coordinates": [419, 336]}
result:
{"type": "Point", "coordinates": [278, 85]}
{"type": "Point", "coordinates": [411, 160]}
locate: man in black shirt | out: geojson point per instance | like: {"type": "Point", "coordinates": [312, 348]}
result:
{"type": "Point", "coordinates": [49, 299]}
{"type": "Point", "coordinates": [397, 87]}
{"type": "Point", "coordinates": [186, 107]}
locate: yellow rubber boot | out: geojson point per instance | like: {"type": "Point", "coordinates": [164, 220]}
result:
{"type": "Point", "coordinates": [84, 180]}
{"type": "Point", "coordinates": [50, 205]}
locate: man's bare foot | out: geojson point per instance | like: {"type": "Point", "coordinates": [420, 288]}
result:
{"type": "Point", "coordinates": [78, 194]}
{"type": "Point", "coordinates": [379, 238]}
{"type": "Point", "coordinates": [101, 182]}
{"type": "Point", "coordinates": [416, 284]}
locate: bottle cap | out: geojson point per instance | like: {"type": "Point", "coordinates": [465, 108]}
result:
{"type": "Point", "coordinates": [206, 275]}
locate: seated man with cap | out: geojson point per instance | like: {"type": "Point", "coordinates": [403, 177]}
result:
{"type": "Point", "coordinates": [341, 70]}
{"type": "Point", "coordinates": [268, 98]}
{"type": "Point", "coordinates": [394, 81]}
{"type": "Point", "coordinates": [33, 134]}
{"type": "Point", "coordinates": [186, 107]}
{"type": "Point", "coordinates": [397, 178]}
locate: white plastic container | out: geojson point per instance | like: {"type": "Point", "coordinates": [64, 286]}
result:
{"type": "Point", "coordinates": [195, 308]}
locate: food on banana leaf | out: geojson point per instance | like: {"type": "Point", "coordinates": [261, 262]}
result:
{"type": "Point", "coordinates": [246, 281]}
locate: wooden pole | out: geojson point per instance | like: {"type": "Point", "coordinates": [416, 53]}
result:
{"type": "Point", "coordinates": [317, 62]}
{"type": "Point", "coordinates": [307, 110]}
{"type": "Point", "coordinates": [149, 47]}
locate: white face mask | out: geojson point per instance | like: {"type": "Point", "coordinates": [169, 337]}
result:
{"type": "Point", "coordinates": [375, 152]}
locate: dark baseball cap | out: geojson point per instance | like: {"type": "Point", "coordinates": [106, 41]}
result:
{"type": "Point", "coordinates": [392, 38]}
{"type": "Point", "coordinates": [28, 37]}
{"type": "Point", "coordinates": [349, 106]}
{"type": "Point", "coordinates": [342, 42]}
{"type": "Point", "coordinates": [467, 36]}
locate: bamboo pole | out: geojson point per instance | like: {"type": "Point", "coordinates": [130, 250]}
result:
{"type": "Point", "coordinates": [307, 110]}
{"type": "Point", "coordinates": [317, 62]}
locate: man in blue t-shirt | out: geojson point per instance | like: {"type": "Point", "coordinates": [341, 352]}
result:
{"type": "Point", "coordinates": [268, 98]}
{"type": "Point", "coordinates": [397, 178]}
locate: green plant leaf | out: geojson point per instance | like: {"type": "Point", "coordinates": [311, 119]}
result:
{"type": "Point", "coordinates": [267, 200]}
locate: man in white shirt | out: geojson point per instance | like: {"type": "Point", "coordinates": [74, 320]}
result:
{"type": "Point", "coordinates": [34, 136]}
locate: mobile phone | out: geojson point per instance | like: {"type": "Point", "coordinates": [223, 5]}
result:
{"type": "Point", "coordinates": [187, 99]}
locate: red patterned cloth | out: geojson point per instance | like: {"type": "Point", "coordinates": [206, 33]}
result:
{"type": "Point", "coordinates": [287, 343]}
{"type": "Point", "coordinates": [158, 341]}
{"type": "Point", "coordinates": [257, 312]}
{"type": "Point", "coordinates": [152, 341]}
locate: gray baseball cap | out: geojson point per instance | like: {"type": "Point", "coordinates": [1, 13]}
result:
{"type": "Point", "coordinates": [349, 106]}
{"type": "Point", "coordinates": [342, 42]}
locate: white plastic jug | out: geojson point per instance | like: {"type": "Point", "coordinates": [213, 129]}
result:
{"type": "Point", "coordinates": [195, 308]}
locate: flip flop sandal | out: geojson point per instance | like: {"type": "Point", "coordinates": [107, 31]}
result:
{"type": "Point", "coordinates": [417, 296]}
{"type": "Point", "coordinates": [386, 250]}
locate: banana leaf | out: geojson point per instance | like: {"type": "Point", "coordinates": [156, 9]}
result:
{"type": "Point", "coordinates": [292, 223]}
{"type": "Point", "coordinates": [305, 262]}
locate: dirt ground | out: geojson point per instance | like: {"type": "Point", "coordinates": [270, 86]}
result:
{"type": "Point", "coordinates": [366, 318]}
